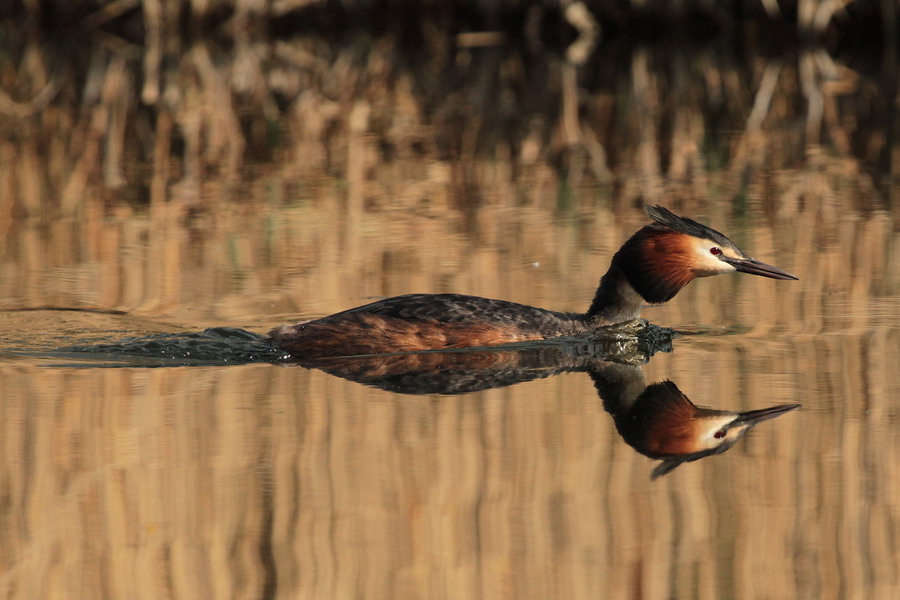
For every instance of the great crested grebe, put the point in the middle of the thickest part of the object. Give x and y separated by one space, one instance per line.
651 267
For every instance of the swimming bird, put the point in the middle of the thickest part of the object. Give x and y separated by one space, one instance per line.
650 268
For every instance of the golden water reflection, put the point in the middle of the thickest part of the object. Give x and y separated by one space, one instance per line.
278 481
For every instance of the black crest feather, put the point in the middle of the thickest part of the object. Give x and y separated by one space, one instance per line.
666 218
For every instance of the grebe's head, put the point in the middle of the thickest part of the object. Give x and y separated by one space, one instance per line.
663 257
665 424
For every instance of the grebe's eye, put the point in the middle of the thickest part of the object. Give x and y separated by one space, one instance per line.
715 251
720 433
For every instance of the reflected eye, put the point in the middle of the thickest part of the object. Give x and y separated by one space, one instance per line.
715 251
720 433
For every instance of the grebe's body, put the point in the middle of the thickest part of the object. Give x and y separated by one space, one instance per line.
427 322
651 267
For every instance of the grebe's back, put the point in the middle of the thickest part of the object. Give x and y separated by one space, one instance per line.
424 322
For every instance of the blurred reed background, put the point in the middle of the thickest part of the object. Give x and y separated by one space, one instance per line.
251 163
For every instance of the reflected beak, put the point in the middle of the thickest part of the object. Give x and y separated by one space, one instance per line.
754 267
752 417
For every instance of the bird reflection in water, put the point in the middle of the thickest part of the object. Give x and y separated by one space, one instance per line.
660 422
657 420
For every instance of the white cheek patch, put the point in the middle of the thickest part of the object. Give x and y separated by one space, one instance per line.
708 439
707 263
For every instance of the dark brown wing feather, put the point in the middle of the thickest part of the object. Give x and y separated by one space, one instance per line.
458 308
423 322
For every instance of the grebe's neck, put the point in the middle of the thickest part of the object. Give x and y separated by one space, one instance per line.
649 268
616 300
